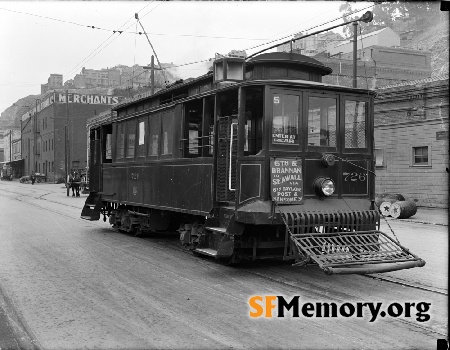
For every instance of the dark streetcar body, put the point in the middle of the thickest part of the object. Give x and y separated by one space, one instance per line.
274 165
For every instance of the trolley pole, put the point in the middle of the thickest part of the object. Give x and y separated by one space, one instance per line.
366 18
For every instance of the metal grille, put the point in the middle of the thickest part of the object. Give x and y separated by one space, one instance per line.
341 241
332 221
351 248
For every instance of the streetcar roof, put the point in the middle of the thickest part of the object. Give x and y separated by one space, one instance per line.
208 76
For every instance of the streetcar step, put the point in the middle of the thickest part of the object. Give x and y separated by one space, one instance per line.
92 207
206 251
217 229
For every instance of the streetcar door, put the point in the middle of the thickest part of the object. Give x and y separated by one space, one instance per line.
226 159
94 160
227 146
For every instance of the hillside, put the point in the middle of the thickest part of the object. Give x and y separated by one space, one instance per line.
10 117
436 40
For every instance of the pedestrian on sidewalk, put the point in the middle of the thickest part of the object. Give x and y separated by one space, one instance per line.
70 184
32 177
77 183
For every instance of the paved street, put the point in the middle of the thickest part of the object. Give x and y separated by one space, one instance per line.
66 283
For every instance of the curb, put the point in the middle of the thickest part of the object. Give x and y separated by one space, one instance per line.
418 222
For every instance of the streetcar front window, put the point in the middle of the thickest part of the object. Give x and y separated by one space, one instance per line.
322 121
285 119
355 124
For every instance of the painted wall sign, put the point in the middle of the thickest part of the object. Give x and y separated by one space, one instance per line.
72 98
286 180
442 135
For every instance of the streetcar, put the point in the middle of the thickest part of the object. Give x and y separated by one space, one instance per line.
257 159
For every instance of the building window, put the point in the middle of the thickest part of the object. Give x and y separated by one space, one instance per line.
379 157
420 156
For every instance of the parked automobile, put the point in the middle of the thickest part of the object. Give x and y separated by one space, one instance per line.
39 178
24 179
6 173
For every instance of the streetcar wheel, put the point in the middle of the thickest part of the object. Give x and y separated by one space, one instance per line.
138 232
232 260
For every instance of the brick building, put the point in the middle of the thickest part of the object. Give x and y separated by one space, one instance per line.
311 45
378 66
2 148
383 37
412 141
120 76
55 81
12 151
57 117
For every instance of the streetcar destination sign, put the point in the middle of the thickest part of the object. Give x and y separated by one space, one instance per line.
286 180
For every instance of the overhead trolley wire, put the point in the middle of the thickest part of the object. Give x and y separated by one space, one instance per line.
133 32
120 32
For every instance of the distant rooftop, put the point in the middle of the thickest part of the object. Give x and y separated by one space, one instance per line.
415 82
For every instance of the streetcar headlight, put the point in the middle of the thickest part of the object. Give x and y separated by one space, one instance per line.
324 186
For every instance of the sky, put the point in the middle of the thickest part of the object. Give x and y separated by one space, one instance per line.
39 38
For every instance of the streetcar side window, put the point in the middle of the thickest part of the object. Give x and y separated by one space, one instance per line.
106 132
322 124
193 129
131 138
155 131
167 133
285 119
141 136
108 148
120 141
355 124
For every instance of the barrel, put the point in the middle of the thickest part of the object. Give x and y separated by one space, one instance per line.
403 209
386 206
387 197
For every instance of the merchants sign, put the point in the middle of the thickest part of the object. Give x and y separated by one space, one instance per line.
286 181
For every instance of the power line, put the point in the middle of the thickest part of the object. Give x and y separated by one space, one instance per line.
99 50
133 32
319 25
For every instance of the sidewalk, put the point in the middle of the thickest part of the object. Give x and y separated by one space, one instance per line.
432 216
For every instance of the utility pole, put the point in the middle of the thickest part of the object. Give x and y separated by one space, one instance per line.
10 146
66 140
157 60
355 48
152 75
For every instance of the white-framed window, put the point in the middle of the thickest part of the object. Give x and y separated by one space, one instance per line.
421 156
379 158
